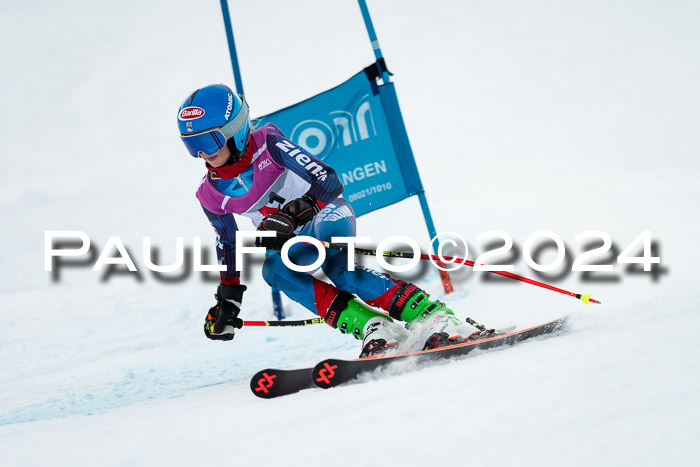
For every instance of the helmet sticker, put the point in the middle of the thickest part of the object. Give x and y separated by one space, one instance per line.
189 127
190 113
229 107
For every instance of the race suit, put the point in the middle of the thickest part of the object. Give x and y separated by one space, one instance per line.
279 166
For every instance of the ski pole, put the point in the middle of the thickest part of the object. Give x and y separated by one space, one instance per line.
302 322
308 322
400 254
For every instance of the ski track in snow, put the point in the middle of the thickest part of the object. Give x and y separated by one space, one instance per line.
547 115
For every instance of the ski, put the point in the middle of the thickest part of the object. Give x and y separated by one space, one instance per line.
272 383
334 372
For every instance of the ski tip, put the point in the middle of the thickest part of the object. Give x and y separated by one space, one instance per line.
325 374
263 384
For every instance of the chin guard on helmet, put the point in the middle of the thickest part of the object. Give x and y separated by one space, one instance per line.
236 154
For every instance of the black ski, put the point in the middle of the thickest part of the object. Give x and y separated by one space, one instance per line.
271 382
333 372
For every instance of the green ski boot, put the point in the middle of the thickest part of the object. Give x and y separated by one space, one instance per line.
377 331
430 320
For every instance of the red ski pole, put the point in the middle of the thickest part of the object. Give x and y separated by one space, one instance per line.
302 322
399 254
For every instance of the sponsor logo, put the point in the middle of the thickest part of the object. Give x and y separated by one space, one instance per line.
331 216
265 383
277 221
331 317
336 130
190 113
372 328
264 163
312 167
371 271
189 127
229 106
404 296
327 372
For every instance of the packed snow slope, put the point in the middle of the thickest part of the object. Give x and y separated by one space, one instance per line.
559 115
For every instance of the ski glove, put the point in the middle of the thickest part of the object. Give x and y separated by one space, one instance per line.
303 209
222 318
293 214
280 223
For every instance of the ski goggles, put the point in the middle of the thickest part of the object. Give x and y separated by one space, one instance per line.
210 141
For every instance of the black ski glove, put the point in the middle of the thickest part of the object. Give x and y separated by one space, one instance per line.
293 214
303 209
280 223
222 318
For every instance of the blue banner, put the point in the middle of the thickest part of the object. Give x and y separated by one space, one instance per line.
347 127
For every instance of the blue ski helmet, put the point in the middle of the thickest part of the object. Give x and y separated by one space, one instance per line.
212 117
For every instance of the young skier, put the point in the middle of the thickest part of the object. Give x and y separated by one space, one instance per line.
245 167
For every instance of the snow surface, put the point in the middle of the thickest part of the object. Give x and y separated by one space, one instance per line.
558 115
